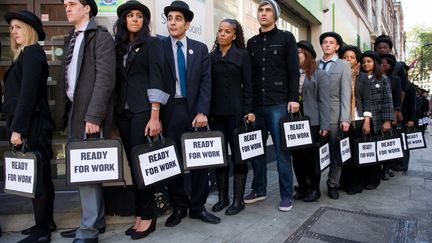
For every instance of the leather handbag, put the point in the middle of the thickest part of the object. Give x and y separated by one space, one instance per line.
248 143
22 171
155 162
203 149
94 160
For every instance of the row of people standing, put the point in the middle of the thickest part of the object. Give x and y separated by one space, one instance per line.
176 81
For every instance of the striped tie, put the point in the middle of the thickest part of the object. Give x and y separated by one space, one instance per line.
70 51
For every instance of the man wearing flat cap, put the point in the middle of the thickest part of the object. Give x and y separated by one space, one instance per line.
84 101
340 102
189 86
275 74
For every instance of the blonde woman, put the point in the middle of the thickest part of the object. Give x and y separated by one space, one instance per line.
27 112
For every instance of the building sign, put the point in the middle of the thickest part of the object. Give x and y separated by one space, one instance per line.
108 7
196 30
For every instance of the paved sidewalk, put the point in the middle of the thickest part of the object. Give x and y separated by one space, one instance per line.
399 210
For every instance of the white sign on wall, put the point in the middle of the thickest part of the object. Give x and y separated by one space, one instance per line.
196 30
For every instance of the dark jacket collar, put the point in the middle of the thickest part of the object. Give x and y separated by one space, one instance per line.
271 32
233 56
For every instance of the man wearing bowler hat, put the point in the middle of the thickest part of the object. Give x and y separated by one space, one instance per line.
189 86
84 101
340 102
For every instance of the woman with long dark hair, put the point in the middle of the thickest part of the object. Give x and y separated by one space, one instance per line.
27 111
231 103
381 106
140 92
314 89
351 177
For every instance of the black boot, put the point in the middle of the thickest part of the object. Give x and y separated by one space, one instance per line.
222 182
239 189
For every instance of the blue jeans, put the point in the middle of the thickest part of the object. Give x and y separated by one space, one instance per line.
267 119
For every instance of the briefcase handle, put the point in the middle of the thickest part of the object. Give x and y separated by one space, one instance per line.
384 133
196 128
101 135
246 124
298 113
24 147
150 141
365 137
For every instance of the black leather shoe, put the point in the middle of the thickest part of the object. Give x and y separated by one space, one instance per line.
312 196
71 233
301 194
370 187
37 236
391 173
332 192
130 231
141 234
205 216
92 240
31 230
176 217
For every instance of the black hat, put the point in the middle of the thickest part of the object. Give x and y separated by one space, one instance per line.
307 46
331 34
181 7
372 55
30 19
93 7
383 38
133 5
355 49
391 59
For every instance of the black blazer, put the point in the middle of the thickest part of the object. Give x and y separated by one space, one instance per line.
143 71
232 90
362 93
198 78
409 104
396 91
25 97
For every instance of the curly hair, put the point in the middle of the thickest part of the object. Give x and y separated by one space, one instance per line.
239 41
121 34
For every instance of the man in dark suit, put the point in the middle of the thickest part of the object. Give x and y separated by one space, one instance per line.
189 86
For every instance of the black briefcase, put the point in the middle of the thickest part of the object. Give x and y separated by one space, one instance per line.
155 162
22 169
94 160
296 132
248 143
343 147
203 149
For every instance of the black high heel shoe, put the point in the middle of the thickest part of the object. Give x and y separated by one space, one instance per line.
141 234
130 231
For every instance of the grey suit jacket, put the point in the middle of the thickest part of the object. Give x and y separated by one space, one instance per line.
340 91
316 99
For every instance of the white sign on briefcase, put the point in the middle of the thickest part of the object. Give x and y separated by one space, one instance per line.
159 165
345 149
96 164
324 156
415 140
20 175
367 153
251 144
389 149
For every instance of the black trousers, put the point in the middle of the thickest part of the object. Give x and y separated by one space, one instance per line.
352 175
227 124
131 127
306 165
179 123
40 141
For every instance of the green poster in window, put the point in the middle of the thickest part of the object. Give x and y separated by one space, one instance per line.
109 6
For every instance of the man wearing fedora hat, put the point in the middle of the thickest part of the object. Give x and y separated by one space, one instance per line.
189 86
340 102
84 101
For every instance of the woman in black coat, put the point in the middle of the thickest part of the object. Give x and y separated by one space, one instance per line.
27 111
140 92
231 103
351 177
